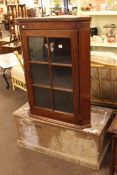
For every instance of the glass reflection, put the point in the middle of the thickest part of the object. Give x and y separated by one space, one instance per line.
60 49
38 49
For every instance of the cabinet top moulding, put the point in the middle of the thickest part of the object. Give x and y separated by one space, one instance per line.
55 18
99 13
60 22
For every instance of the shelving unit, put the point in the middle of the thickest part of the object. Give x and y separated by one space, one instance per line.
100 19
99 13
96 44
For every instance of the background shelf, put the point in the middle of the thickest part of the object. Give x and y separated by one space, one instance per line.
103 44
99 13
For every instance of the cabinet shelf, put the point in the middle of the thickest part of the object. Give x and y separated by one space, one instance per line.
54 88
53 64
63 89
62 59
114 45
62 64
39 62
60 77
99 13
41 85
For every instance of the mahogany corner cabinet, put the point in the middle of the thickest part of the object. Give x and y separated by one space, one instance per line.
56 53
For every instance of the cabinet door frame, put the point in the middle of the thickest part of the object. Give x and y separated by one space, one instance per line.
57 115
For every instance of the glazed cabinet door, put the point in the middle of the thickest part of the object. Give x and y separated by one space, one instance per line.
51 68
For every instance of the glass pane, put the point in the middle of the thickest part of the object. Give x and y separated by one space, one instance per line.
62 77
40 74
60 49
63 101
42 97
38 49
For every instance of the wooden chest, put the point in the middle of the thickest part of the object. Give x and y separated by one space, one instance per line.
83 146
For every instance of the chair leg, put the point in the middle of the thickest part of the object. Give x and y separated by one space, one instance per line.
13 86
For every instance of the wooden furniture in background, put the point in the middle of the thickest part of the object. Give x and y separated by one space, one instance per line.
0 30
15 11
104 78
31 12
17 74
113 130
10 47
56 54
22 10
7 61
0 33
12 14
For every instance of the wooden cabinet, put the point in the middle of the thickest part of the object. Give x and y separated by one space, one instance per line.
56 54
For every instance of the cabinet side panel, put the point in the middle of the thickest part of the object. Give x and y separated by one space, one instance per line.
75 76
84 72
26 56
